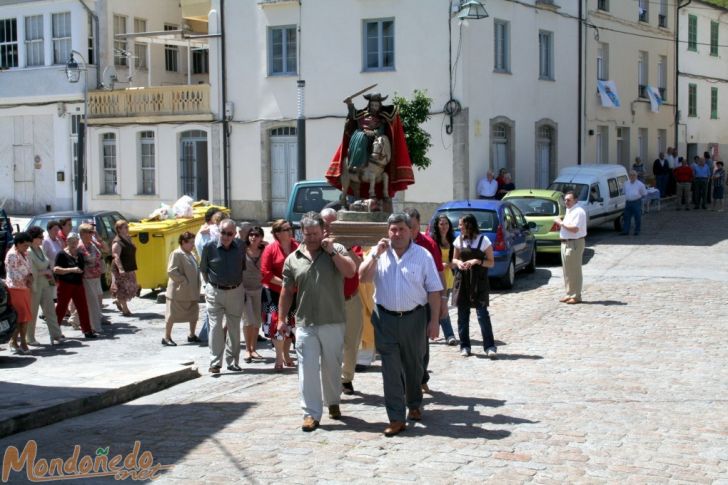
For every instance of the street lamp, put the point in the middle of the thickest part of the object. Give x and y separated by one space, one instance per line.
73 74
472 10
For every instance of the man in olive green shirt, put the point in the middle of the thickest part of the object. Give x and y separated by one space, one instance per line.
316 272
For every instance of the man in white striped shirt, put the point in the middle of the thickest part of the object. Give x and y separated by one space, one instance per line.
405 280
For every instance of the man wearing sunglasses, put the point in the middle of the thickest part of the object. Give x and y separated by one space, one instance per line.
221 266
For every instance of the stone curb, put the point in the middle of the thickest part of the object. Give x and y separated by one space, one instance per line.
89 404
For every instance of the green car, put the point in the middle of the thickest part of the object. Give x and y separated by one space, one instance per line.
542 207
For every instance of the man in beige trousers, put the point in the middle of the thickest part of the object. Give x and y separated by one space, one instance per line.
573 234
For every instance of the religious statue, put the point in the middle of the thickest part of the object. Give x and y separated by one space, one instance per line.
372 160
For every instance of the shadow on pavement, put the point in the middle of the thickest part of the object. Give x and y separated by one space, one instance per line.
511 357
14 362
171 421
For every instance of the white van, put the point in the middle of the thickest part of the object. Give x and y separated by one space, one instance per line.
599 189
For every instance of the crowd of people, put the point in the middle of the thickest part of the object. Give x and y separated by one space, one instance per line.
700 183
307 294
59 272
492 187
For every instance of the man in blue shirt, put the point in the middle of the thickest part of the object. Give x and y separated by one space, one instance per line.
701 172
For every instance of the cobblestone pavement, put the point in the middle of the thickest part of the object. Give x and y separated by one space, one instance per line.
629 387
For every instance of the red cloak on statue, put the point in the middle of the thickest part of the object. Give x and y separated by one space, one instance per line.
399 168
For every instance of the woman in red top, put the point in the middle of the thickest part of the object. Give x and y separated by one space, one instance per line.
271 269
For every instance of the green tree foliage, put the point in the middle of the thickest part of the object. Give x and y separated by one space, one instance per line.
413 113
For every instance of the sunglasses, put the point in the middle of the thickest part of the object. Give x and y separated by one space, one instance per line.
227 233
253 234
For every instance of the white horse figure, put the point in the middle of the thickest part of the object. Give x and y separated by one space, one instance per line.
373 172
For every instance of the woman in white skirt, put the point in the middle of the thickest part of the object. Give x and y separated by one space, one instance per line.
183 289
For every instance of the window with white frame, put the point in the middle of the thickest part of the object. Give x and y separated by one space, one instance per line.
692 100
282 50
171 53
379 45
602 144
662 17
147 166
502 46
91 56
643 10
61 32
8 43
603 5
546 55
119 44
642 142
662 77
34 41
108 163
642 74
714 26
140 48
603 61
713 103
200 61
692 33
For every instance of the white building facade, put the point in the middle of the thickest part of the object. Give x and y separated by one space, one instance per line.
514 77
132 132
630 43
703 80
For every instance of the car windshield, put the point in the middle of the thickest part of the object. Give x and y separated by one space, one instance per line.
487 219
314 198
581 190
42 222
535 206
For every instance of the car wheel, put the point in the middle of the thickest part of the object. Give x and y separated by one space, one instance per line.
618 222
532 264
510 277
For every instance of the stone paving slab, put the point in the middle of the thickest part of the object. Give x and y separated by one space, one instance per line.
629 387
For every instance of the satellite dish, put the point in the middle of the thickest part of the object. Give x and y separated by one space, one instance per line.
109 78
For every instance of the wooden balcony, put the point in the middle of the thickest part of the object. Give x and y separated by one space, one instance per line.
150 105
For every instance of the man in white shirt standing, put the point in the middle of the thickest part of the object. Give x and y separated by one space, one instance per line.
572 233
405 280
634 191
487 187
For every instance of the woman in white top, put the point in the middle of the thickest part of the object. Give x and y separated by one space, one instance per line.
473 255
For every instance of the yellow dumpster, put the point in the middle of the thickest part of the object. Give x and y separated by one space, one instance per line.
155 241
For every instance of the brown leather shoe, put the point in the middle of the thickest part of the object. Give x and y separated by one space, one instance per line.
394 428
309 424
334 411
573 301
425 388
214 370
415 414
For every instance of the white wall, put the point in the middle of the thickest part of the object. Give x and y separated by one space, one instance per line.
705 71
331 64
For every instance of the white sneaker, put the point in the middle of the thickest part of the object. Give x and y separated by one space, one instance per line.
452 341
491 352
465 352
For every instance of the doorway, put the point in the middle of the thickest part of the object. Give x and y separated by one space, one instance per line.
284 168
193 164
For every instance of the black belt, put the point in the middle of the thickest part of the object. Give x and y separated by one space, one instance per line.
223 287
399 314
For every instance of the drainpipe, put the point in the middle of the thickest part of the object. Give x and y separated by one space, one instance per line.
96 42
225 121
677 73
579 96
301 117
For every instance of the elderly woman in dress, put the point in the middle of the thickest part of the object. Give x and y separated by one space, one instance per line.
123 269
19 280
92 271
252 282
43 289
68 269
271 268
183 289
